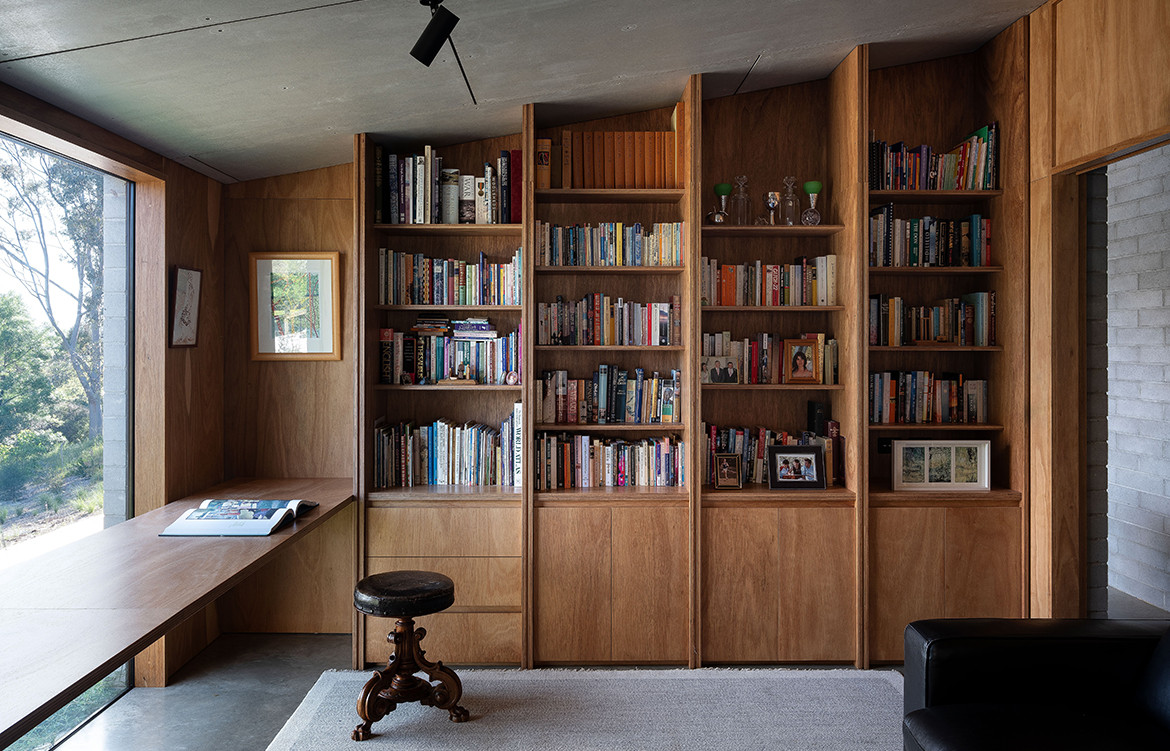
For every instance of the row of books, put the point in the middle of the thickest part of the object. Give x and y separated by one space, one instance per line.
613 159
415 279
445 453
611 396
971 165
808 281
923 397
598 319
927 241
751 443
565 460
966 321
768 358
418 189
419 357
610 244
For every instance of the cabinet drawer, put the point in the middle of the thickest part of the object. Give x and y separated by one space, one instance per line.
454 638
455 532
479 582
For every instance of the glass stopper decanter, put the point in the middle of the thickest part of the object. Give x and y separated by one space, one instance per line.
811 216
719 215
741 203
789 203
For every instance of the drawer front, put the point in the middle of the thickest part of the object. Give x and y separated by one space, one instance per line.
454 638
456 532
479 582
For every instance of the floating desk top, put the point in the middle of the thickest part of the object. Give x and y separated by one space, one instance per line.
72 615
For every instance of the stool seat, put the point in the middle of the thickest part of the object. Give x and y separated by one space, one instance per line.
404 594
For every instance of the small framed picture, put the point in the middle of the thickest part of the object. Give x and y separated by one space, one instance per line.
796 467
718 370
727 472
942 465
184 320
802 363
296 306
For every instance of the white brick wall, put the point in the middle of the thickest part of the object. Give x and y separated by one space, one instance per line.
1138 381
115 344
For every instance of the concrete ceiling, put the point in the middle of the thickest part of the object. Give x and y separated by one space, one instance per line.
240 89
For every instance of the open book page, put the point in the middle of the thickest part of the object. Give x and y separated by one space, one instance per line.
236 517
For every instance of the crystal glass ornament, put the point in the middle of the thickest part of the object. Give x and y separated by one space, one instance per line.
789 203
811 216
719 215
771 202
741 203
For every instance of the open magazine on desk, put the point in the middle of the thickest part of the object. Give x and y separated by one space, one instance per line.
236 517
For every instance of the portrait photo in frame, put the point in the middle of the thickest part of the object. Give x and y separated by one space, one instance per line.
728 472
185 289
941 465
295 305
796 467
801 361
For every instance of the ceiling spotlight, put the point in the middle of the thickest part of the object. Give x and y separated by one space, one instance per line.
434 35
437 32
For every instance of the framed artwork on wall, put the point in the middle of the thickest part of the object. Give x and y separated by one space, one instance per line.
295 305
184 318
942 465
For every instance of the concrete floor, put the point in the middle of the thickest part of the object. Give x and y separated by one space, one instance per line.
238 693
234 696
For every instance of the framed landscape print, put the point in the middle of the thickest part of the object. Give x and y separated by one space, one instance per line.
942 465
796 467
296 306
184 320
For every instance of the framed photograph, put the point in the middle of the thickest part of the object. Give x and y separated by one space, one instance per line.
942 465
184 319
796 467
718 370
801 362
296 306
727 472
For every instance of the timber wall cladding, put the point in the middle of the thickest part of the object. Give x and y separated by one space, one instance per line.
288 419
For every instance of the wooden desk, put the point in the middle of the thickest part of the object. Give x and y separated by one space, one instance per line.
71 616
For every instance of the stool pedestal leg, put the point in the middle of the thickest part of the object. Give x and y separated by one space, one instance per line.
397 683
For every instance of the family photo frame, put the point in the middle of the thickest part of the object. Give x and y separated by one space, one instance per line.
941 465
295 305
801 361
728 472
796 467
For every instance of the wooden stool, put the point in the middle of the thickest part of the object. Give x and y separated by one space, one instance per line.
403 595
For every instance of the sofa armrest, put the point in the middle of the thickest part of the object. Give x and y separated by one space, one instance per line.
1045 661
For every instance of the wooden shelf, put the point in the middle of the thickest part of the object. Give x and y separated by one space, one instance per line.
440 493
766 230
962 427
606 195
935 348
610 269
931 196
447 387
614 427
881 495
773 386
761 495
611 496
935 270
609 347
771 308
459 308
452 230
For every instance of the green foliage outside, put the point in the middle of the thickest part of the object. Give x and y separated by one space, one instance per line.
54 729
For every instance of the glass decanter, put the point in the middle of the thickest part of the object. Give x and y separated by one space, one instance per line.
789 203
719 215
811 216
741 203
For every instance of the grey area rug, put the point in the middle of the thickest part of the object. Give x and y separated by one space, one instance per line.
580 710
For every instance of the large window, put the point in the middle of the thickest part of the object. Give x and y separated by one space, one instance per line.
65 301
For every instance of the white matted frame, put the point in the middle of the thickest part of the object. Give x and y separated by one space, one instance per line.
295 305
942 465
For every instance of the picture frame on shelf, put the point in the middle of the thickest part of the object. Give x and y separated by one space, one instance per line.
796 467
942 465
728 472
718 370
802 361
295 305
185 291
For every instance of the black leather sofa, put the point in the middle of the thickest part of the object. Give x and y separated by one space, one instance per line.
1040 684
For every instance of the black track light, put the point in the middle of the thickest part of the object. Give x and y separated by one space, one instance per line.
435 35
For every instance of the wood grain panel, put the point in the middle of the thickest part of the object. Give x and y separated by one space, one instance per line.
454 638
982 563
306 589
740 585
572 585
1110 89
905 574
428 532
651 579
326 183
817 589
479 582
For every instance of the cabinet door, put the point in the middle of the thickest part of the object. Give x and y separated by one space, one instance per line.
740 585
905 574
571 586
818 571
983 563
650 585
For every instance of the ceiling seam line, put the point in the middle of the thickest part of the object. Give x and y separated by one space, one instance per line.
745 75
